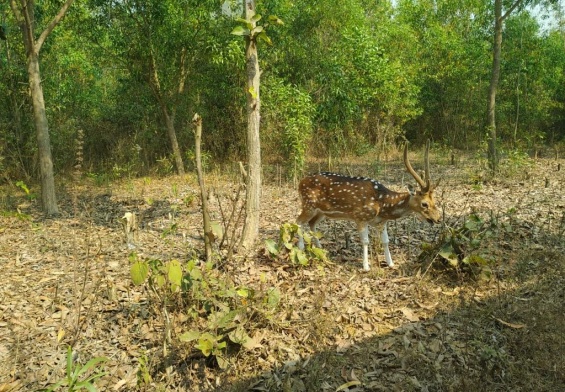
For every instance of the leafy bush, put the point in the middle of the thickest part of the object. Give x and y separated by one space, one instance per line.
462 247
288 118
286 249
220 311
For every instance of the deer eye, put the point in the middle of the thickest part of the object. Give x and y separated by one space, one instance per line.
425 205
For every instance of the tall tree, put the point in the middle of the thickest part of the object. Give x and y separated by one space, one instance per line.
499 18
24 13
253 182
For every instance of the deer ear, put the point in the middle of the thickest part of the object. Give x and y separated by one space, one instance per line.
411 189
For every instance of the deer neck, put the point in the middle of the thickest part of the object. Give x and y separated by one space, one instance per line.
395 205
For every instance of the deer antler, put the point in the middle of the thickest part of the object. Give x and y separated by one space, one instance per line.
424 185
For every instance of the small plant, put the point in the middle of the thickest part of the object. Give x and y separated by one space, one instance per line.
23 186
77 379
165 166
143 375
460 246
286 247
220 310
517 163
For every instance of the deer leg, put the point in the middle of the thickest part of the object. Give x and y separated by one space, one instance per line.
384 239
312 223
304 219
364 234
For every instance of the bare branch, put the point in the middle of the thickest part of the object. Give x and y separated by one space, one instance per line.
509 10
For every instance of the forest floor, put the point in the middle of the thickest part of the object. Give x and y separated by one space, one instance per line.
495 322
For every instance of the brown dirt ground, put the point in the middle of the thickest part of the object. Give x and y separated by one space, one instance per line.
420 326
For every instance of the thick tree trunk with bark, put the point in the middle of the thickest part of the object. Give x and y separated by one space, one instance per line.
253 195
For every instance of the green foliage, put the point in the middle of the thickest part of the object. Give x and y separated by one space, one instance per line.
257 33
221 311
22 185
77 377
359 74
285 248
516 163
461 247
143 376
288 114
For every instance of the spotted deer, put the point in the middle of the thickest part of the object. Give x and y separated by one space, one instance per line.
366 202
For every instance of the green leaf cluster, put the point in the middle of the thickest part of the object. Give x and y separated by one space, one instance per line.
220 312
286 248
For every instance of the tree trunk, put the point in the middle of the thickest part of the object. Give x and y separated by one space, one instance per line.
170 124
495 75
24 14
253 195
48 196
197 122
154 82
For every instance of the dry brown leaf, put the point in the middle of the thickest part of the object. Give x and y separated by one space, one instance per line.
347 385
511 325
409 314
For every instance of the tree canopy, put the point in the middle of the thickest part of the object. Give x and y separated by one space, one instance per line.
338 77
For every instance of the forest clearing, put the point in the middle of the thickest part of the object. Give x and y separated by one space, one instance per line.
152 154
423 325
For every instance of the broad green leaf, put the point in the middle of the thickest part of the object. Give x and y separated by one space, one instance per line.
206 343
256 18
227 319
256 30
240 30
448 254
238 336
273 297
159 280
189 336
301 257
138 272
174 274
275 19
262 36
243 292
217 229
319 253
196 273
271 247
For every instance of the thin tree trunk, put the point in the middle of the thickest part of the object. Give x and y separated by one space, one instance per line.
154 82
197 122
170 124
253 194
495 75
48 196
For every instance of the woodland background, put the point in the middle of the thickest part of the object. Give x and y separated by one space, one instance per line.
340 77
